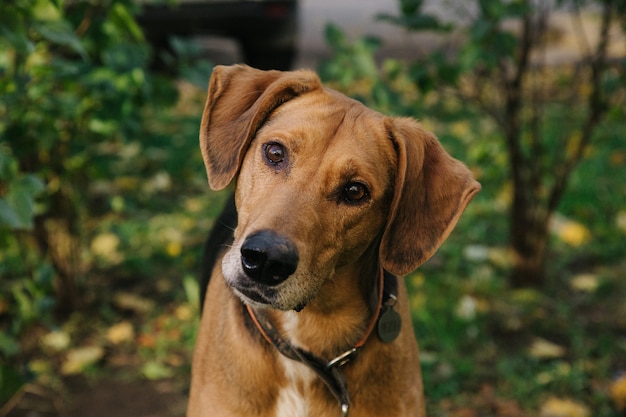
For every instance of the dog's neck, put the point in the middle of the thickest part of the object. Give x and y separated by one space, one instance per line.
338 317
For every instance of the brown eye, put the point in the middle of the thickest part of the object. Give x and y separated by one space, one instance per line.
355 192
275 153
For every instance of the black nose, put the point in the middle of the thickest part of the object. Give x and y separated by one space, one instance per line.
268 258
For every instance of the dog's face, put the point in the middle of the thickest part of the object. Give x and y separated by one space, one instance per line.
321 180
312 195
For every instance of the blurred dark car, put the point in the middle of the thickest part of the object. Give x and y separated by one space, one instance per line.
266 30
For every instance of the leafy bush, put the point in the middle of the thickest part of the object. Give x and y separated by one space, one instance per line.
88 140
74 92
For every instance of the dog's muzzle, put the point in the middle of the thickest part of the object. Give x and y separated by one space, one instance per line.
268 258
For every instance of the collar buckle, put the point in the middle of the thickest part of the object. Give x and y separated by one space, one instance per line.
342 359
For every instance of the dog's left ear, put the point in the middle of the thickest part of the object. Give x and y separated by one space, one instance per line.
431 191
239 101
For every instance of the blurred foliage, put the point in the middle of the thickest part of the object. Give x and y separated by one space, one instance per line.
91 141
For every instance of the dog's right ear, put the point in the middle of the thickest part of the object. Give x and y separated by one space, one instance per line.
431 191
240 99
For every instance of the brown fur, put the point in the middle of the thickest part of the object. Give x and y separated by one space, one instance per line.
416 194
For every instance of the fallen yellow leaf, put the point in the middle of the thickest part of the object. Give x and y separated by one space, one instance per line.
585 282
80 358
461 129
575 234
40 366
174 249
502 257
130 301
544 349
618 393
569 231
105 245
193 205
127 183
184 312
558 407
57 340
120 333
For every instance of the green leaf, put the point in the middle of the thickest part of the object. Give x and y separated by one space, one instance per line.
29 184
13 30
9 346
517 8
8 164
447 72
124 18
409 7
334 36
155 370
198 74
492 9
125 56
21 198
45 10
192 290
10 383
469 56
61 33
415 23
8 216
481 29
507 43
25 306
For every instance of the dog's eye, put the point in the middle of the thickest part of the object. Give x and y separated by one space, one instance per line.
275 153
355 192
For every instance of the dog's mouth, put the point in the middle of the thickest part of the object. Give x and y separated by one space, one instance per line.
262 296
254 294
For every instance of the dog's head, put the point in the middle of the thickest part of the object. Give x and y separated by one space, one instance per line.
322 180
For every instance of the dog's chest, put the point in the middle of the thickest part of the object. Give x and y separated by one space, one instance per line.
293 398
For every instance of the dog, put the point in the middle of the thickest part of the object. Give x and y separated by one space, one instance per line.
303 313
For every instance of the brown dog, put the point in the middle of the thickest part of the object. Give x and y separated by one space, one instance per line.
302 316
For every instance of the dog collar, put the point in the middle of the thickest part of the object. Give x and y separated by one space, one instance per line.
385 319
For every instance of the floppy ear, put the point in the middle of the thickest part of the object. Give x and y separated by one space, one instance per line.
240 99
431 191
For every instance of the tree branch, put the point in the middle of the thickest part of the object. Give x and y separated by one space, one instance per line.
514 89
596 103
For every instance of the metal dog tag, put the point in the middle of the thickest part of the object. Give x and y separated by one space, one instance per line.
389 325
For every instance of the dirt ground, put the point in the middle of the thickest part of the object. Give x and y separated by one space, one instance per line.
106 397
